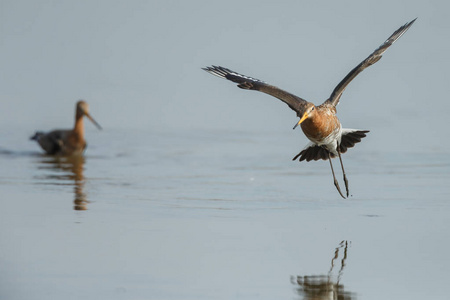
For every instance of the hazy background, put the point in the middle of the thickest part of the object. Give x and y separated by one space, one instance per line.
138 64
189 192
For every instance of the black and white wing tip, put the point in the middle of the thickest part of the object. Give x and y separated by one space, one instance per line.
218 71
229 74
397 34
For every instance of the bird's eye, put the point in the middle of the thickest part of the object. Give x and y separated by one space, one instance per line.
312 108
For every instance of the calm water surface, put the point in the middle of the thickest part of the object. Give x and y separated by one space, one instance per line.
219 215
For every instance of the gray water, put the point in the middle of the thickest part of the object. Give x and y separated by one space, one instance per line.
219 215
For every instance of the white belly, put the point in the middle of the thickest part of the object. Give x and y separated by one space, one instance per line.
331 141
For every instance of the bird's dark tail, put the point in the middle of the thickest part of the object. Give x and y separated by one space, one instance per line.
315 152
350 137
36 136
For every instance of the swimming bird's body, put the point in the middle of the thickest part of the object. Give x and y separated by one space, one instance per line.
70 141
319 123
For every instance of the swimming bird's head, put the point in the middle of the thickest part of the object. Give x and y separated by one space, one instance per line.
309 112
83 110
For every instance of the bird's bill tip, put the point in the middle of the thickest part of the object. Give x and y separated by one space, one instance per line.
303 118
93 121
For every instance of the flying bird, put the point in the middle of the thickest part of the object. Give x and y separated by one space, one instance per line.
70 141
319 123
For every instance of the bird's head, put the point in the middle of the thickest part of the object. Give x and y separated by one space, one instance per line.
83 110
308 112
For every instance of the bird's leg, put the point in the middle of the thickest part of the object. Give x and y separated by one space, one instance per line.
343 171
336 184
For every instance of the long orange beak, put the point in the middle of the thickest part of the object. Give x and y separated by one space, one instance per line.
304 117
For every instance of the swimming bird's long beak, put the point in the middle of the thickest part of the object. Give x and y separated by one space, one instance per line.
93 121
305 116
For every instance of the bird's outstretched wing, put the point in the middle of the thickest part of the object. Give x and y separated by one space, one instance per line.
370 60
244 82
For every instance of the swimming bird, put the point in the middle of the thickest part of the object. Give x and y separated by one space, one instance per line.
70 141
319 123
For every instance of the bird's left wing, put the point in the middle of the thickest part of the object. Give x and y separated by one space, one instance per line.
370 60
244 82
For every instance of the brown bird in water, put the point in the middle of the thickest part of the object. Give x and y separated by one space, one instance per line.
70 141
319 123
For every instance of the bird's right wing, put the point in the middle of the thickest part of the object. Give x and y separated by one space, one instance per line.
244 82
370 60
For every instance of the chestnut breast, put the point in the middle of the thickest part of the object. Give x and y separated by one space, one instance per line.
322 124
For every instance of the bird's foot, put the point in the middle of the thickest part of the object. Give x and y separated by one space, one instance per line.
346 184
336 184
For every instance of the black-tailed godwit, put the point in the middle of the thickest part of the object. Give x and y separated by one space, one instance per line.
70 141
319 123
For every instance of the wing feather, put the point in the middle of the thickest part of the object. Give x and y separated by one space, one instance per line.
370 60
248 83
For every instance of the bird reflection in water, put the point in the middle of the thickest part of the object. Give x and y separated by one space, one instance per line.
325 287
67 170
